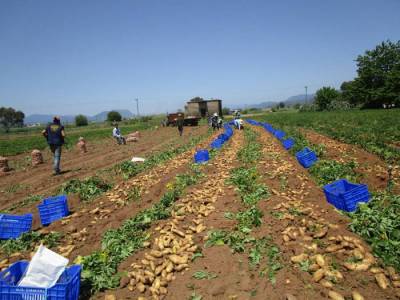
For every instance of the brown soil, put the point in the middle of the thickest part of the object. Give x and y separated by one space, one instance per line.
235 279
86 225
39 180
297 200
372 169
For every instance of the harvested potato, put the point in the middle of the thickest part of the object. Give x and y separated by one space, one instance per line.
333 248
321 233
141 287
335 296
357 296
299 258
313 267
375 270
178 260
326 283
318 275
319 259
382 280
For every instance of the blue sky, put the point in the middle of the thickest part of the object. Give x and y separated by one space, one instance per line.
68 57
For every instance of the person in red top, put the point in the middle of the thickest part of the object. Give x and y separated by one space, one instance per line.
55 134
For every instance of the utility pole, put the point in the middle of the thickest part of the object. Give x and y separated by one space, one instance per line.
137 107
306 93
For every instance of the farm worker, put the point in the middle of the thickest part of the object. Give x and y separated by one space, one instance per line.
179 122
55 134
214 121
238 123
117 135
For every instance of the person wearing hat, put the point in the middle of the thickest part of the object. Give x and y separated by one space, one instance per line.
55 134
214 121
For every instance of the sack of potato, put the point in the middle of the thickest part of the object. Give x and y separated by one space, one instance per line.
37 157
4 165
131 139
82 145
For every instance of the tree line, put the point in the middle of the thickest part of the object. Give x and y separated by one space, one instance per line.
377 84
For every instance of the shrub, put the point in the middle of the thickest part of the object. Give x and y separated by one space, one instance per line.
114 116
81 120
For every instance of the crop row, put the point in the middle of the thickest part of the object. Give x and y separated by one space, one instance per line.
377 221
377 131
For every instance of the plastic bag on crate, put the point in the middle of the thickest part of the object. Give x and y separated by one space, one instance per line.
44 270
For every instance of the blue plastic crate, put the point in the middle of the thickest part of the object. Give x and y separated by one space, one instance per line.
345 195
216 144
306 157
279 134
11 227
288 143
201 156
223 137
67 287
52 209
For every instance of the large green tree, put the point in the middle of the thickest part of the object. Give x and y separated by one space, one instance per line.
378 77
325 96
9 117
81 120
114 116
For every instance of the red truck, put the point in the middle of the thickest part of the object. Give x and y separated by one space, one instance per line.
187 121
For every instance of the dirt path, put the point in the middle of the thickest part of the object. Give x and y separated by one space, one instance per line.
374 171
187 226
84 228
36 180
319 257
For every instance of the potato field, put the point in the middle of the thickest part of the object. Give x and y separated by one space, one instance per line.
250 223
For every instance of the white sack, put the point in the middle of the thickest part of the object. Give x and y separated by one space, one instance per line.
137 159
44 270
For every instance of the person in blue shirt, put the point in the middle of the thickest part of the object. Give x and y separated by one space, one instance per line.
55 135
117 135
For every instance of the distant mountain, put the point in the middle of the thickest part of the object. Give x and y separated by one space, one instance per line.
44 119
100 117
298 99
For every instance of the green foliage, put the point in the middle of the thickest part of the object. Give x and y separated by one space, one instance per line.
325 96
378 223
378 77
204 275
87 189
100 267
249 218
328 171
24 141
246 182
9 117
81 120
114 116
28 200
373 130
28 241
225 111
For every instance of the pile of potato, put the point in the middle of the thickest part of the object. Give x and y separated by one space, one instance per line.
172 250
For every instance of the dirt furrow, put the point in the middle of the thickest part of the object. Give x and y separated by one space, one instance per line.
176 240
38 180
373 170
84 228
320 252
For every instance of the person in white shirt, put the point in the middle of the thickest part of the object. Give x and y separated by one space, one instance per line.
117 135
